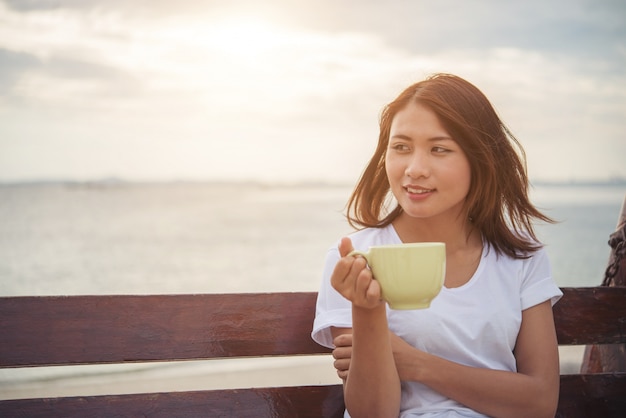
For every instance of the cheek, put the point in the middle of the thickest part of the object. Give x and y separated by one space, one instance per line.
463 167
390 168
464 177
458 175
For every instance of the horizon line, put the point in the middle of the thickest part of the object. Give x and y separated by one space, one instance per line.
114 180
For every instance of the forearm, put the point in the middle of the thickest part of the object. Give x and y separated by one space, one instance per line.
492 392
373 385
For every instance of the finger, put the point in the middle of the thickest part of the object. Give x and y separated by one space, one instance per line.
342 353
343 340
362 283
345 246
359 264
345 273
341 272
374 292
342 365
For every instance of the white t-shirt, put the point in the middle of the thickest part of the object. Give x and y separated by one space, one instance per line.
476 324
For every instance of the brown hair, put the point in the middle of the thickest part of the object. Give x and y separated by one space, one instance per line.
497 202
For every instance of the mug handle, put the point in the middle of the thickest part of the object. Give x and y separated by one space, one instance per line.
363 254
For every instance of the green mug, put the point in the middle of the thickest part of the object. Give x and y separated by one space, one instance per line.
410 275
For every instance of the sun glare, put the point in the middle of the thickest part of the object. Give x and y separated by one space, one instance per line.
239 37
245 36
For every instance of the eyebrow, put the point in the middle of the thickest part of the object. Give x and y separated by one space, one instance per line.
433 139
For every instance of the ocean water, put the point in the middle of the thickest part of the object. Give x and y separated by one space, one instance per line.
127 238
138 238
578 243
165 238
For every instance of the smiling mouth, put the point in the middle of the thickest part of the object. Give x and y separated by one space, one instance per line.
417 190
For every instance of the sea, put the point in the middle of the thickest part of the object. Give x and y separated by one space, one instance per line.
118 237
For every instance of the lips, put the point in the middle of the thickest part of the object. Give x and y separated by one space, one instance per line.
418 190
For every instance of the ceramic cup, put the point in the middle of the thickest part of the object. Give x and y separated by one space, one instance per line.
410 275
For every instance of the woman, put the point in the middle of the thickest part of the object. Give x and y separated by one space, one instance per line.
487 345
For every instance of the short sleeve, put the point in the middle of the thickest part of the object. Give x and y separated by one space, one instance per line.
537 282
332 309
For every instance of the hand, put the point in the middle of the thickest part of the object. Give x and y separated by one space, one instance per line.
354 280
342 355
406 357
403 354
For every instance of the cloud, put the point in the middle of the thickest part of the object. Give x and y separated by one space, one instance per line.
281 91
29 5
12 66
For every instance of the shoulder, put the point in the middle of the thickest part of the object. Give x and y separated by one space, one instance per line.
531 276
534 263
537 264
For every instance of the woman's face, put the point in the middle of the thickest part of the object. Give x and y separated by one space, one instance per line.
428 172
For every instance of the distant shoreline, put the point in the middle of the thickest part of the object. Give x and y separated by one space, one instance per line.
106 184
616 182
112 182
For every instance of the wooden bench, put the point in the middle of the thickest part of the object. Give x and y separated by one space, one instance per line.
42 331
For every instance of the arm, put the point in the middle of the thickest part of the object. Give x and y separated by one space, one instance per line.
532 391
372 388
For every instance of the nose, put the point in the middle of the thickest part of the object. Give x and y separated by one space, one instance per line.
418 166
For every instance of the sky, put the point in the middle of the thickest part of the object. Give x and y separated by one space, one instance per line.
291 90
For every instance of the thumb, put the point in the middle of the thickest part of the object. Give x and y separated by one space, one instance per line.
345 246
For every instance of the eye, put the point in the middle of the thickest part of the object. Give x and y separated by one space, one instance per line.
400 147
440 150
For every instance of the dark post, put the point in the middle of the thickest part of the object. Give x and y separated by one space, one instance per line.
611 357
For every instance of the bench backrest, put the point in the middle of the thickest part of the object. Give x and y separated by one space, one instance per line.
41 331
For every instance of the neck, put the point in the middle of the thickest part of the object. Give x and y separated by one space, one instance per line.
457 233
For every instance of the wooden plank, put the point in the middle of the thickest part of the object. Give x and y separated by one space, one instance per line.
596 395
592 395
303 401
594 315
107 329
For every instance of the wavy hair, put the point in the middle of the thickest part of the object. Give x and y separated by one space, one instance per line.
497 202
